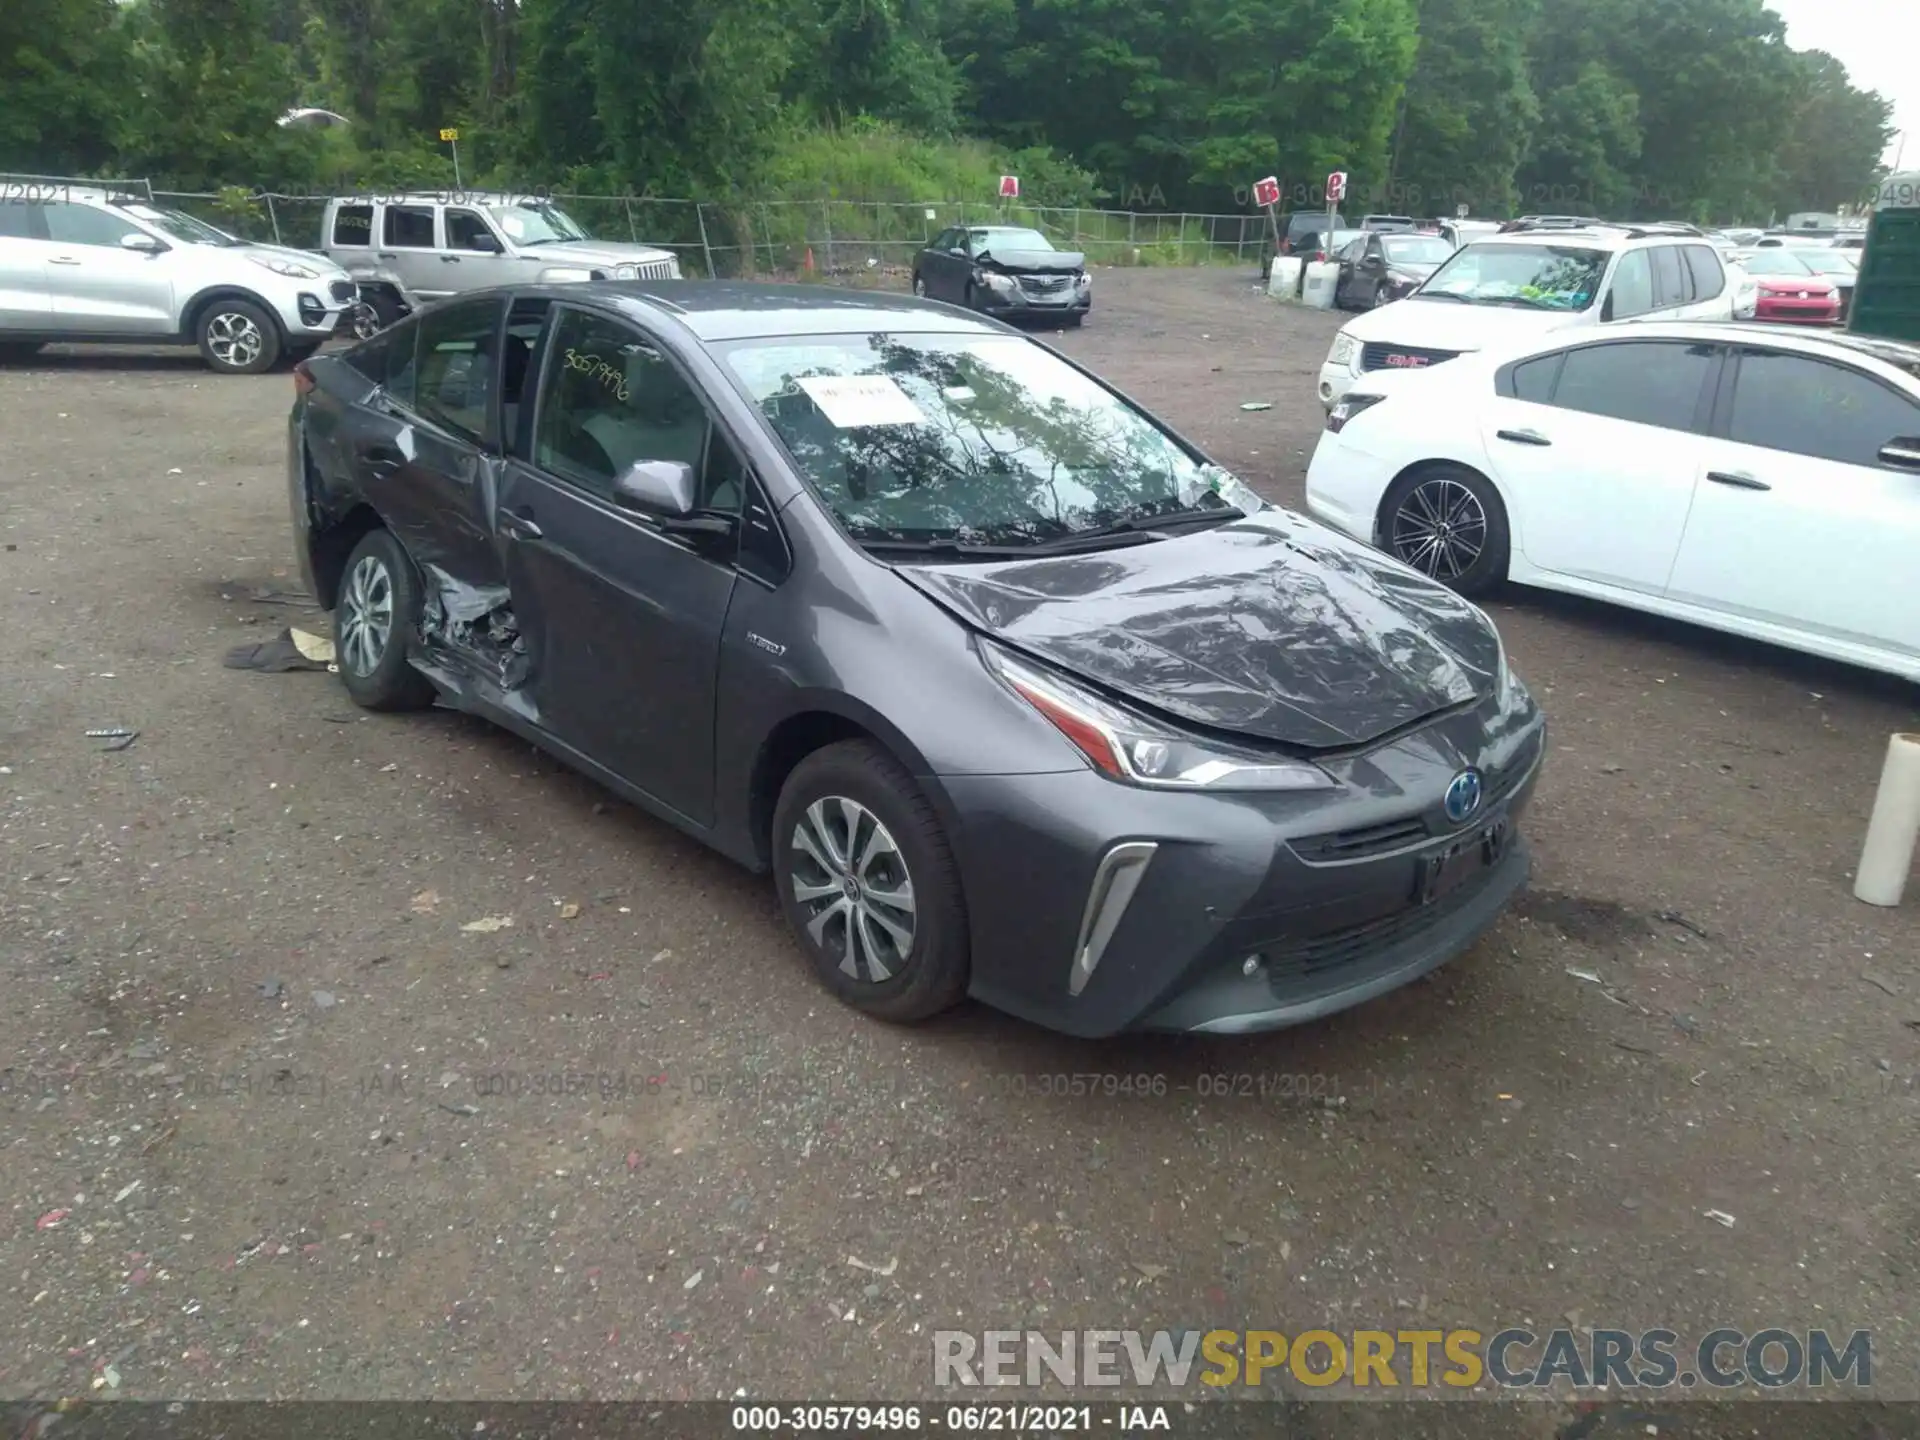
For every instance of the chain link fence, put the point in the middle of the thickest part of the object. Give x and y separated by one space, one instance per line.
851 241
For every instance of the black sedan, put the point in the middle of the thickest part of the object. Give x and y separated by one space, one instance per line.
1014 693
1386 267
1005 270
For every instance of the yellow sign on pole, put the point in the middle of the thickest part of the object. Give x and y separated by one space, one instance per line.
449 135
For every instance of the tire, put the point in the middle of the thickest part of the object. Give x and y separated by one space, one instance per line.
14 351
856 785
970 299
374 312
1453 496
237 337
379 584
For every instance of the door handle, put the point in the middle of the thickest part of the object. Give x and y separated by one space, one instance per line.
385 255
1523 437
449 259
62 260
1739 479
520 525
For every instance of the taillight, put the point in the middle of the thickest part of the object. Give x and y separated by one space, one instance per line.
302 379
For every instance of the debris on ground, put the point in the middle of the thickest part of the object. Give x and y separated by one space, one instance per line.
1256 405
272 989
693 1279
276 656
1720 1216
1878 983
51 1219
881 1270
1586 975
569 911
118 737
488 924
312 646
425 903
325 999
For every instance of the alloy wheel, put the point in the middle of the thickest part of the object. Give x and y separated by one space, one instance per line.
366 615
1440 529
234 339
850 881
366 321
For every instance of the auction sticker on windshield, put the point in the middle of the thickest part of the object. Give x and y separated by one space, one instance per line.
854 401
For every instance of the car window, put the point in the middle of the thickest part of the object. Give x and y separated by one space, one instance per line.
353 225
1709 275
982 438
1632 286
387 360
1533 379
464 227
16 219
1812 407
1648 383
459 361
609 400
1354 252
1672 284
409 227
83 225
1539 276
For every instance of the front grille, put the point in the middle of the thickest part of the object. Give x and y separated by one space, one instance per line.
1045 284
1313 959
342 291
659 270
1402 357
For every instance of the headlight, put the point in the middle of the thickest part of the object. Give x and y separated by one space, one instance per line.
626 272
1343 347
1083 280
292 269
1348 406
996 282
1134 750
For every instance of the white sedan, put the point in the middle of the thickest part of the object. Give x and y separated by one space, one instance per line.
1756 479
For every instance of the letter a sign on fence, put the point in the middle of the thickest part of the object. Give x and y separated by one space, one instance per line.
1009 187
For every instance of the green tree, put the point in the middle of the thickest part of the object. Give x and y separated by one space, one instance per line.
1470 111
64 67
1834 141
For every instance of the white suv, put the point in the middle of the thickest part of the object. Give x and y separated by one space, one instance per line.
80 264
1508 288
406 251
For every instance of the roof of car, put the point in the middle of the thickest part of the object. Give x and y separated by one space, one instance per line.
1892 352
737 310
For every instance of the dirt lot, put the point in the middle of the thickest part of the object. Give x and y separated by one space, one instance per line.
251 1147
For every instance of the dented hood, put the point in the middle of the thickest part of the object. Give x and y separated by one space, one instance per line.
1272 626
1035 262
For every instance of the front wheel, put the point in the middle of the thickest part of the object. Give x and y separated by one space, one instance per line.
869 884
378 610
1447 522
237 337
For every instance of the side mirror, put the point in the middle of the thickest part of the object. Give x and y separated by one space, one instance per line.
140 241
659 487
1902 453
485 244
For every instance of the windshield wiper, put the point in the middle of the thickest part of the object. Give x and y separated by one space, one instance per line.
957 549
1441 295
1527 300
1192 515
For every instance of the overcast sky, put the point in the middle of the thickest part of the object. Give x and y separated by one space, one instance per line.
1877 40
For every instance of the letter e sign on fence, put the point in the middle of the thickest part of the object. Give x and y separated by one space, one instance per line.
1009 187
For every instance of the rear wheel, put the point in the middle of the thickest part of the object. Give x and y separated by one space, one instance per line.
1447 522
869 884
378 610
237 337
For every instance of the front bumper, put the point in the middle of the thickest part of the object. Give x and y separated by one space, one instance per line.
311 309
1021 302
1798 312
1252 912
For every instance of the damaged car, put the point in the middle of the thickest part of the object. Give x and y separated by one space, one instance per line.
1005 270
1014 693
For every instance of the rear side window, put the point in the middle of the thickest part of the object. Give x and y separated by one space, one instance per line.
1709 275
1632 285
1810 407
16 219
458 365
1647 383
1672 285
353 225
410 226
387 360
1533 379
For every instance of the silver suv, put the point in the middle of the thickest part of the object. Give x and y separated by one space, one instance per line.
107 265
408 250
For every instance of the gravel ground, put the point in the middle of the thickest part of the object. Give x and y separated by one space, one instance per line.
277 1121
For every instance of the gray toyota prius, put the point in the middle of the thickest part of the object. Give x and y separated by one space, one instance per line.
1014 692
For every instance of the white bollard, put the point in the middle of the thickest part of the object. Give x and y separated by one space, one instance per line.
1887 857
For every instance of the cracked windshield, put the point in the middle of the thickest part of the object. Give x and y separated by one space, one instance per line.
913 438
